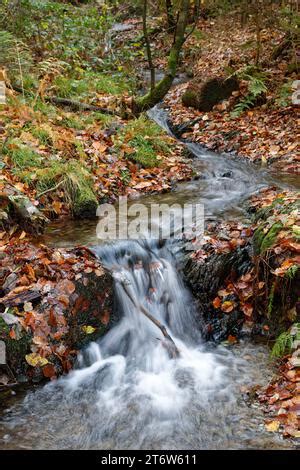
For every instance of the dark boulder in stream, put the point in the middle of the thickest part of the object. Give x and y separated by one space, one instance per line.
205 279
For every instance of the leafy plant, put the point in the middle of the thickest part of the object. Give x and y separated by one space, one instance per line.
146 140
21 155
284 343
256 88
284 95
14 55
292 271
75 35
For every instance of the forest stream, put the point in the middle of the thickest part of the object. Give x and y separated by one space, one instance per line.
127 392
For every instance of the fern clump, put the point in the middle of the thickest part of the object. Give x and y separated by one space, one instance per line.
256 90
15 57
285 341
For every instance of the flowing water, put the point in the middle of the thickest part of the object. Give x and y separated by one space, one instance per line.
128 391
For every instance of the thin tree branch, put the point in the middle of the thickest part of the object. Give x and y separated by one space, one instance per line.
75 105
195 20
172 349
148 46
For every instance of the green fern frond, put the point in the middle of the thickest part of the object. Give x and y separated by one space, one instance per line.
283 345
13 54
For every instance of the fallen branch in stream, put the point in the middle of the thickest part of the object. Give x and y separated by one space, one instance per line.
171 346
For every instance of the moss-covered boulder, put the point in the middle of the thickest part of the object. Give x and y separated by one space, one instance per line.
206 94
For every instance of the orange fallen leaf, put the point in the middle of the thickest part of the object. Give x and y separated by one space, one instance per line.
217 302
12 334
49 371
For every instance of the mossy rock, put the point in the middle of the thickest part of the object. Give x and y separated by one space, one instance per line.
85 204
206 95
190 98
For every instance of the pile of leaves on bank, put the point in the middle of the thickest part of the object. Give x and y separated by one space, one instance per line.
68 164
281 398
49 307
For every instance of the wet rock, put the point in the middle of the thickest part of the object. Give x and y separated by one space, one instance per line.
227 174
205 279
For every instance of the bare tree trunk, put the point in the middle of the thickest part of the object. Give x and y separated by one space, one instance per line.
244 12
162 87
148 47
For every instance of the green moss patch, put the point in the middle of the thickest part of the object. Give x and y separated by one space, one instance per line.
146 140
76 183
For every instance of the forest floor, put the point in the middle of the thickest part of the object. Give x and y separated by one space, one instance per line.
268 134
67 162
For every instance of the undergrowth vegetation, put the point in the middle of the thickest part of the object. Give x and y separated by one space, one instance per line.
146 142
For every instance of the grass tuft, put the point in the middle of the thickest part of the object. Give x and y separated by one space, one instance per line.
147 141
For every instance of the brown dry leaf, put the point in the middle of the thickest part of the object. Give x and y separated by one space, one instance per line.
247 309
143 184
105 317
23 235
232 339
66 287
273 426
49 371
64 299
56 205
